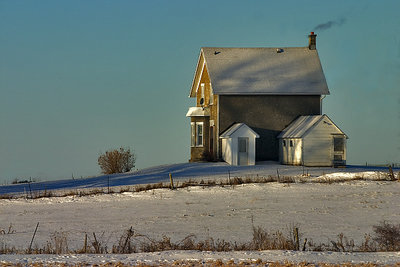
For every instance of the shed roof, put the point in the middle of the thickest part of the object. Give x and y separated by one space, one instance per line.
230 132
303 124
262 70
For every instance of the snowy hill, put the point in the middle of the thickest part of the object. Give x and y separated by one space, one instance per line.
320 210
182 172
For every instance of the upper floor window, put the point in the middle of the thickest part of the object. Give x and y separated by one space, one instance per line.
211 96
202 90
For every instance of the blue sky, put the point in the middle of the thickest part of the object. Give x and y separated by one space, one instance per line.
80 77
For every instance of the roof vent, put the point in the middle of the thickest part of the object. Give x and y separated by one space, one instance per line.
279 50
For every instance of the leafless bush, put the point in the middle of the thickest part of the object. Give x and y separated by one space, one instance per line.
263 240
368 245
387 236
117 161
58 244
343 244
99 247
124 245
9 231
4 249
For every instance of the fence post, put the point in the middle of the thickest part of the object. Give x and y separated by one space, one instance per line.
85 245
296 237
34 233
172 181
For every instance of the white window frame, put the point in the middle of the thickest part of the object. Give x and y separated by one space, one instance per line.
196 140
192 134
199 141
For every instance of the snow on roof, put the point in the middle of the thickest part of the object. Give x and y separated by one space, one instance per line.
234 128
299 127
198 112
292 70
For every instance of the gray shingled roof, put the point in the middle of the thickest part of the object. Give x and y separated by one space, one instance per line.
299 127
295 70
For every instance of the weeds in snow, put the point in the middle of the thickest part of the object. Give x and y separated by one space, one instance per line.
386 237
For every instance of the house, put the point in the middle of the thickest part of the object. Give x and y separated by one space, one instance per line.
239 145
264 88
312 141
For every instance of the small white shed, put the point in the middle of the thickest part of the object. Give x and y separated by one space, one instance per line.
239 145
312 141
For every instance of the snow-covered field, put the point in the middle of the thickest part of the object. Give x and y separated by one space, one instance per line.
320 210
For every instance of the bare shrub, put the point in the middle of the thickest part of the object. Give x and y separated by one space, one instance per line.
262 240
98 246
9 231
125 245
343 244
387 236
117 161
58 244
368 245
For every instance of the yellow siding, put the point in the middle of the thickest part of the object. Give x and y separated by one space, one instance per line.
205 79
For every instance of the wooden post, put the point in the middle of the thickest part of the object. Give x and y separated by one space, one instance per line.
30 189
172 181
34 233
277 172
108 183
85 245
304 245
296 237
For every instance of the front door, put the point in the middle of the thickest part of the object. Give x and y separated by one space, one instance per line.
243 151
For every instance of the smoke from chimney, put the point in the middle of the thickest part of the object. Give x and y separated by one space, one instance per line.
329 24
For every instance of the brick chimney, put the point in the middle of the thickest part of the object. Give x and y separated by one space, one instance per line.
312 41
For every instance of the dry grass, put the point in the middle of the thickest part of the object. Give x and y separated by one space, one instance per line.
386 237
198 263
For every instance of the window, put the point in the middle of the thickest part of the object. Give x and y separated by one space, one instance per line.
202 90
196 134
211 96
338 144
291 143
192 133
199 134
337 157
242 144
